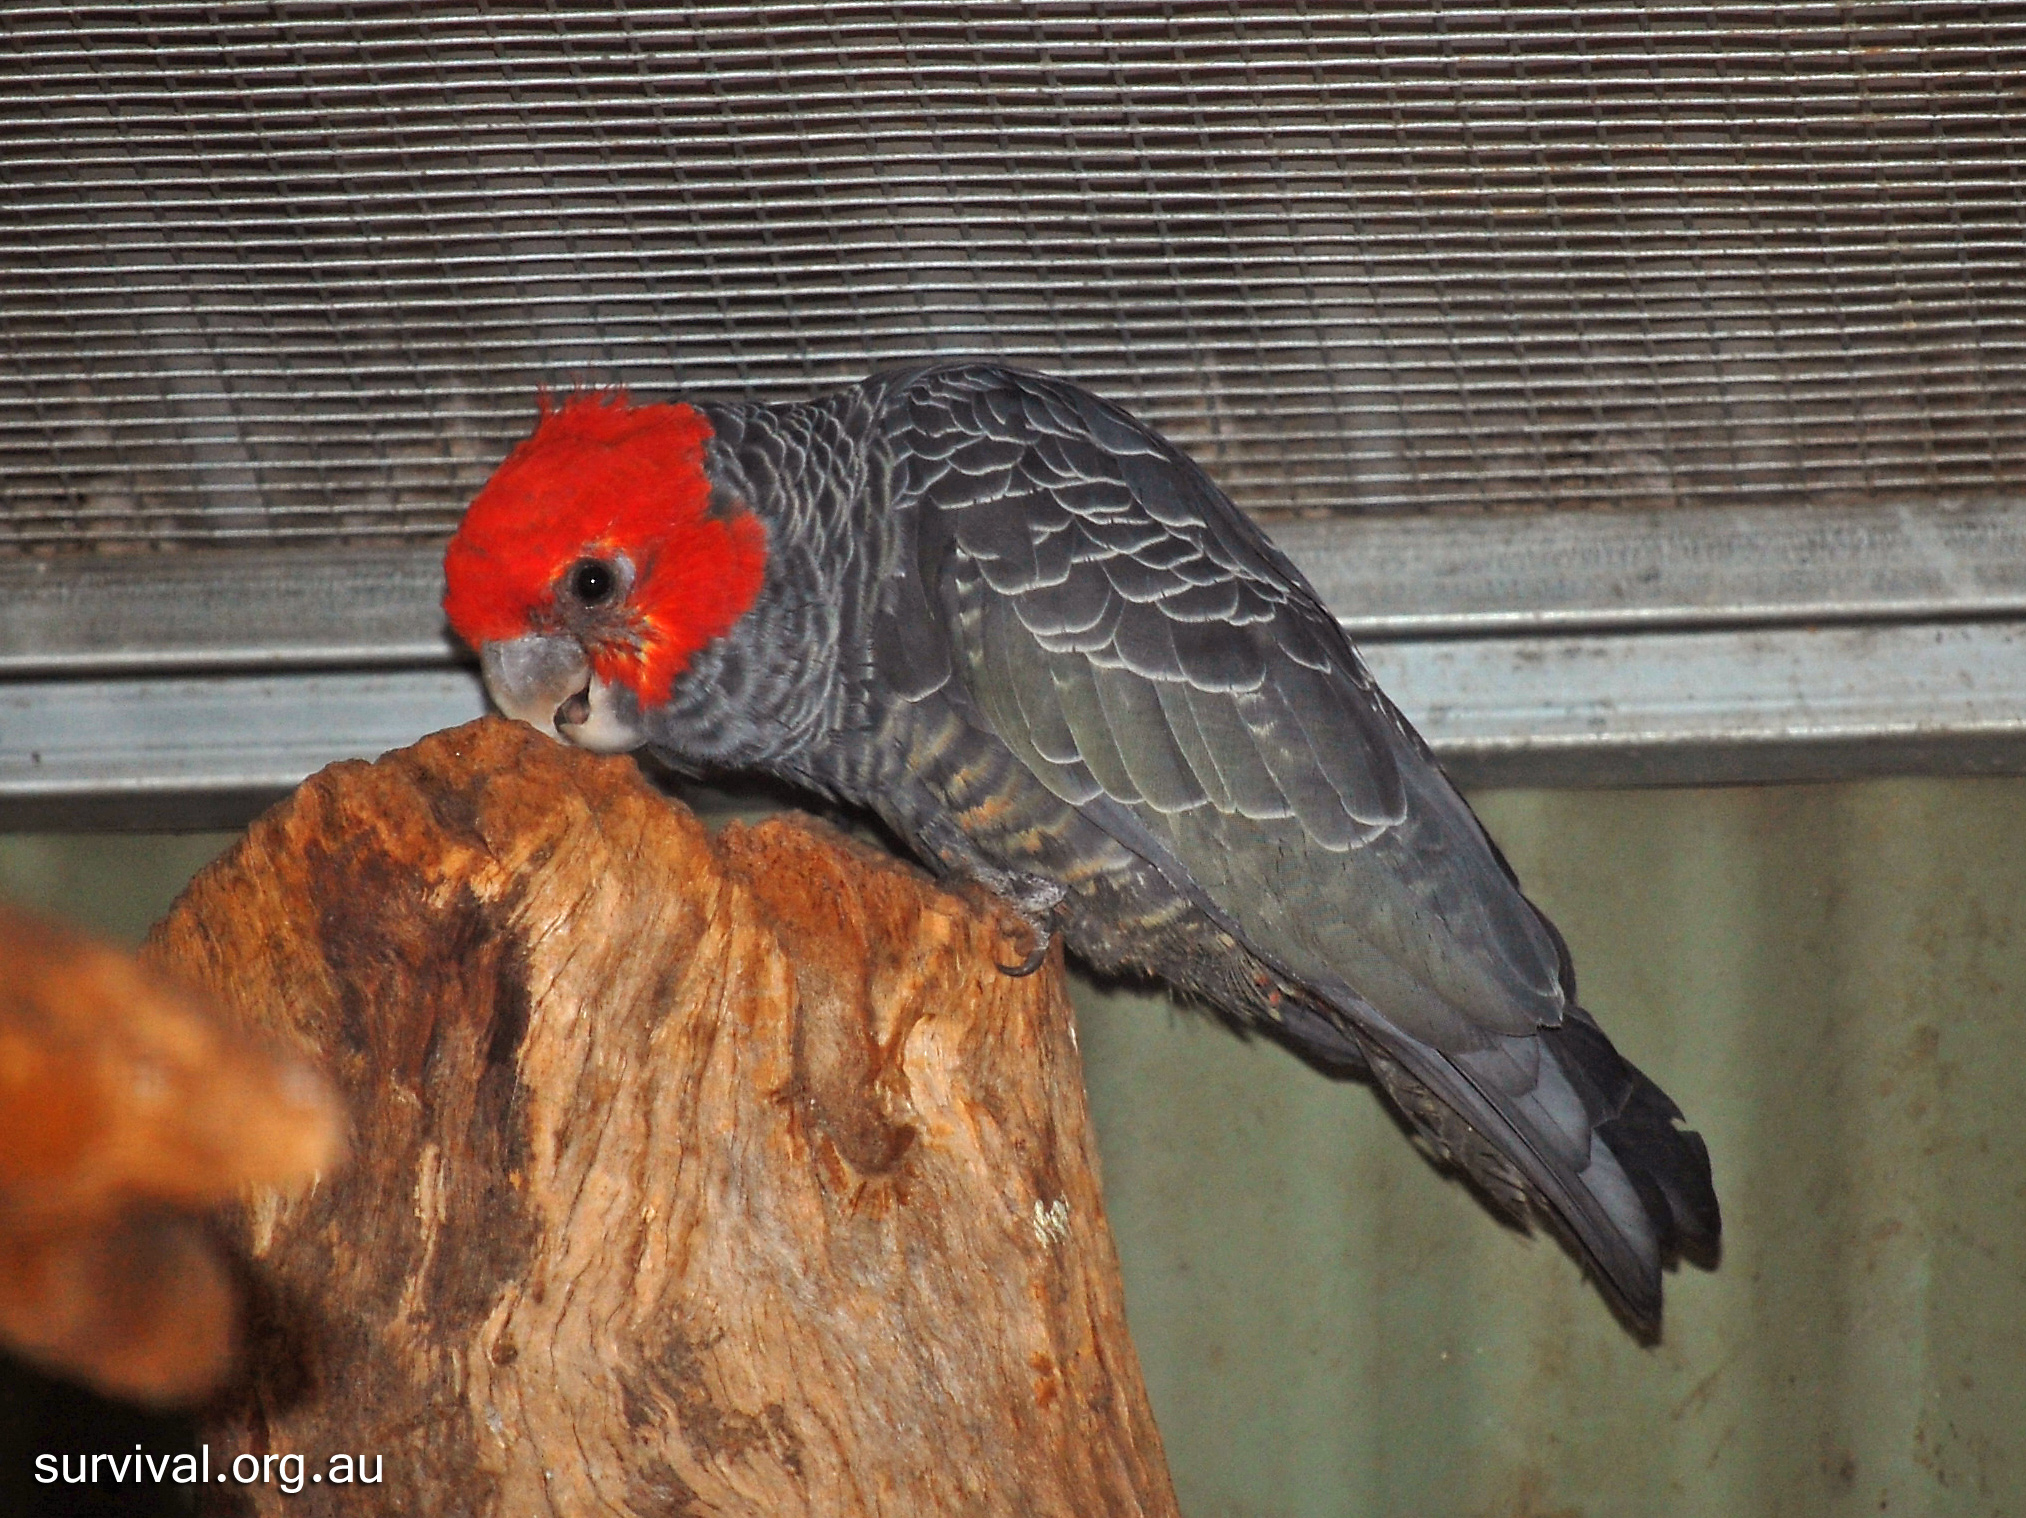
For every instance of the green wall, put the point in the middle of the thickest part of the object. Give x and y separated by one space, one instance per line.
115 884
1832 982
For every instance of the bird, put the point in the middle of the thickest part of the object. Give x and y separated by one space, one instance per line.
1035 641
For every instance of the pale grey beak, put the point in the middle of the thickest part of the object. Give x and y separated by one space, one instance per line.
546 681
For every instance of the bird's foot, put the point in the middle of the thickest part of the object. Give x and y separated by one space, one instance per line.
1031 899
1043 937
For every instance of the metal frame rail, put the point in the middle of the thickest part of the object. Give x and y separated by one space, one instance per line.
1685 646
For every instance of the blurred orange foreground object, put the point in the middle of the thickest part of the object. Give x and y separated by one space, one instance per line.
126 1104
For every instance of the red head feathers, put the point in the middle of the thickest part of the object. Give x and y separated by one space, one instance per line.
602 478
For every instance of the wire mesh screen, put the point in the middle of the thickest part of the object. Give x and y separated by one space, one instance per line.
293 271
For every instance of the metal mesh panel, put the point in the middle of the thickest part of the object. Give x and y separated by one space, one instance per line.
292 271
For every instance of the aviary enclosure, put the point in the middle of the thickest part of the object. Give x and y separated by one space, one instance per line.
1643 387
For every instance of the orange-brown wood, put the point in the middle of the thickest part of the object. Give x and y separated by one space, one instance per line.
692 1175
126 1107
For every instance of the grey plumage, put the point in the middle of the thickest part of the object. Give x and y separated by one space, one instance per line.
1043 646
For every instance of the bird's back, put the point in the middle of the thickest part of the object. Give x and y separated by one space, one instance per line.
1095 672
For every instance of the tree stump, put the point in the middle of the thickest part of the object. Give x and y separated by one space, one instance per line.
690 1175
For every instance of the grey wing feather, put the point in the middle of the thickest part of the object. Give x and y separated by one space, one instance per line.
1193 673
1149 655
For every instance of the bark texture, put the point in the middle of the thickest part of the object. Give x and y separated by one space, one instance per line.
691 1175
127 1107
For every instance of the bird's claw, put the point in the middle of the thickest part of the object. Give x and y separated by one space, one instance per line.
1032 899
1044 939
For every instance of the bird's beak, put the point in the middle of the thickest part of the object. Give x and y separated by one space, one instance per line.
547 682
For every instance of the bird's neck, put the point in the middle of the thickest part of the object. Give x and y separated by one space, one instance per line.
787 679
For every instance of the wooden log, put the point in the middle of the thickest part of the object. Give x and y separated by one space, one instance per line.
128 1107
692 1175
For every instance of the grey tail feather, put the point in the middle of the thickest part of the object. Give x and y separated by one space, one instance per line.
1667 1166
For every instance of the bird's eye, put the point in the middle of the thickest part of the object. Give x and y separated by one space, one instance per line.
593 582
